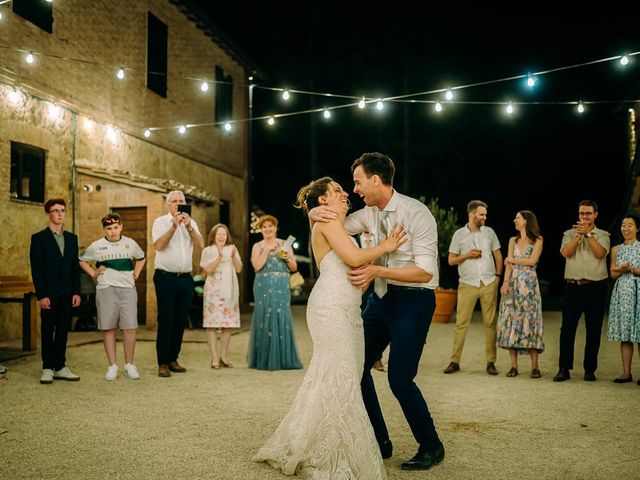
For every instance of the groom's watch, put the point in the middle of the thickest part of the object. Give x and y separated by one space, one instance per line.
588 235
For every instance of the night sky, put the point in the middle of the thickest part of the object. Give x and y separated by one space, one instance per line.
545 158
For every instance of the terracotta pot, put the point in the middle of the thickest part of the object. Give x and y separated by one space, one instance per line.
445 305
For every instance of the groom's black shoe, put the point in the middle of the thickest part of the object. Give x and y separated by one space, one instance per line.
562 375
424 460
386 449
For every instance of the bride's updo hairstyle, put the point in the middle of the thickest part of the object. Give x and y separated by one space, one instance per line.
309 194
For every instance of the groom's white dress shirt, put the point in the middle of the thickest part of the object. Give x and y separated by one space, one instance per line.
421 247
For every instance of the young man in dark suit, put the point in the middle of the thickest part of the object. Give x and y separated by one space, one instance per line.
56 276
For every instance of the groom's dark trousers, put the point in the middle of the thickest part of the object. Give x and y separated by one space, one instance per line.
402 317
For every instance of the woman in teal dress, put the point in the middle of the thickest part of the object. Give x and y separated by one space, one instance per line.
520 314
272 345
624 310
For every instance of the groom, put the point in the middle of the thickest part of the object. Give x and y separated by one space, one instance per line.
399 312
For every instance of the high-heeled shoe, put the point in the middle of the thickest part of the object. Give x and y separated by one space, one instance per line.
226 364
215 365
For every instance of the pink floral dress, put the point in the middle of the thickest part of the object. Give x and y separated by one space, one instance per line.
221 296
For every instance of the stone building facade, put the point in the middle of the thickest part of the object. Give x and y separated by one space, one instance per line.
88 126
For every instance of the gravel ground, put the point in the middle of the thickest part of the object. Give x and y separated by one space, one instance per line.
208 423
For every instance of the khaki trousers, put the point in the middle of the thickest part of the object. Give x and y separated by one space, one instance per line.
467 297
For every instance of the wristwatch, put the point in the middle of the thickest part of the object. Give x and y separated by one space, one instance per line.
588 235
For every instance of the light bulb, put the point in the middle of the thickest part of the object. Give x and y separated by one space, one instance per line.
182 129
361 103
509 108
438 107
285 95
29 58
448 95
531 82
379 104
112 134
120 74
580 107
53 111
15 96
326 113
227 127
88 124
147 133
624 60
271 121
204 86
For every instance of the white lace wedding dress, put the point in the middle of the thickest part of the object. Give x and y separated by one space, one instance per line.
327 433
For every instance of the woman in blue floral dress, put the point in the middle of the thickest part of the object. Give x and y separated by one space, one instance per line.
272 345
520 314
624 310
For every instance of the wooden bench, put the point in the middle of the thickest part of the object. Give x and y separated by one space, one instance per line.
17 284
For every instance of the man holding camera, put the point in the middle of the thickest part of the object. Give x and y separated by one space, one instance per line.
174 236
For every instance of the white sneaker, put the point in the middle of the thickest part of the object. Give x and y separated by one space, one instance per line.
131 371
47 376
112 372
3 369
65 374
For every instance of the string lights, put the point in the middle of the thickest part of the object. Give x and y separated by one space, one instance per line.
530 78
531 81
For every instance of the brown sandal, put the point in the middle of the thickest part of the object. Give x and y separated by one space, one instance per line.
513 372
535 373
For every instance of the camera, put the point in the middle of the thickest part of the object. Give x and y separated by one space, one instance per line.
184 209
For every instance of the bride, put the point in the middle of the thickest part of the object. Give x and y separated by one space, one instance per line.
327 433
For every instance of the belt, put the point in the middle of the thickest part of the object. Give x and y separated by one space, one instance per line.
277 274
173 274
582 281
391 286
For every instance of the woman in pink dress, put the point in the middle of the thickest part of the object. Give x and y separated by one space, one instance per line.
221 310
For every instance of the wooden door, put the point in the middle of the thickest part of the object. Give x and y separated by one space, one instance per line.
134 221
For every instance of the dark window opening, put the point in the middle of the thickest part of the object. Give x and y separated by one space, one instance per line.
224 96
225 212
27 172
38 12
157 48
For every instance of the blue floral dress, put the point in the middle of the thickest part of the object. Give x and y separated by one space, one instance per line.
272 345
624 310
520 314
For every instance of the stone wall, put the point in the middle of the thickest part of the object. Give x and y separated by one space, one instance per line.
108 34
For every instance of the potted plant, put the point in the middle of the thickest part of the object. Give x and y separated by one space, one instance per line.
446 293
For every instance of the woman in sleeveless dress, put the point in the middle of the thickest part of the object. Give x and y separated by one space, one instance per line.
327 433
272 345
520 314
221 298
624 310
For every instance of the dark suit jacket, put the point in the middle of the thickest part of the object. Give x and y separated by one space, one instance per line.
53 274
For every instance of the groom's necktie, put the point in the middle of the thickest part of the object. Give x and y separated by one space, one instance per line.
380 284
